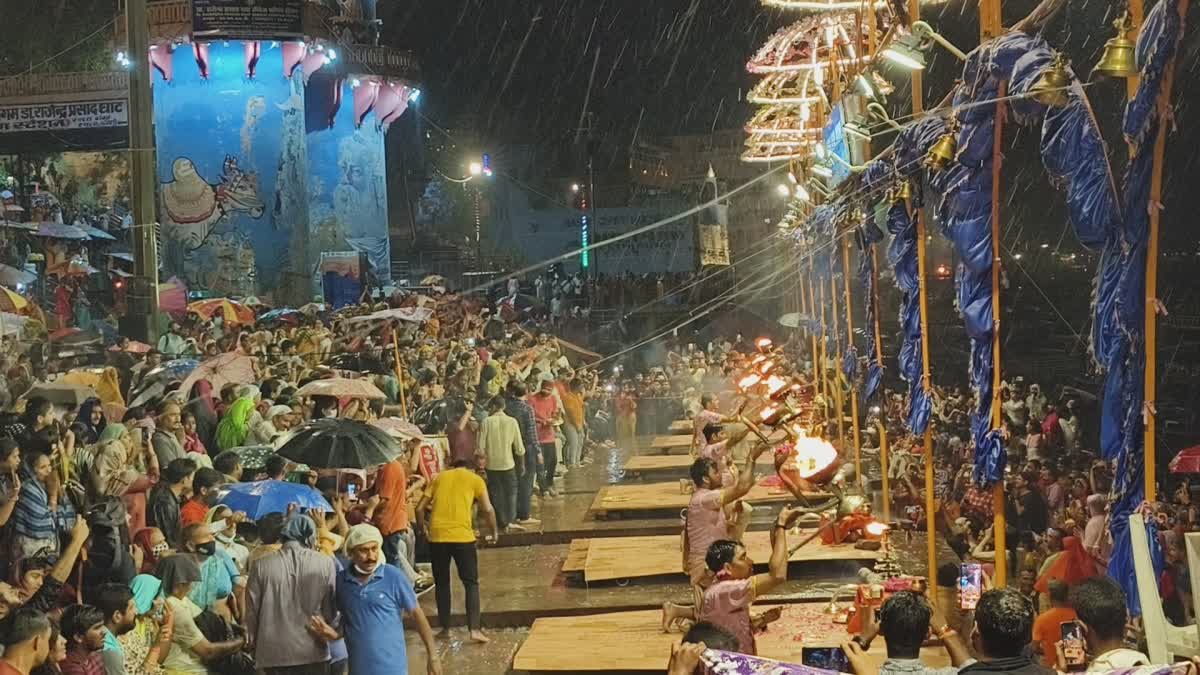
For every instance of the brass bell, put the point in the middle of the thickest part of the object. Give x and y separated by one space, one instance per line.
904 192
890 195
1052 85
942 152
1118 59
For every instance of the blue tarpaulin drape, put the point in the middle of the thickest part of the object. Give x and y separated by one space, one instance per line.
1118 332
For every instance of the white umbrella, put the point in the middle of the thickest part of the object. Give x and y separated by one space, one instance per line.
12 276
11 324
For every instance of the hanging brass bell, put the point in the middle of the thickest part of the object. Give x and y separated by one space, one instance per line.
1052 86
890 196
942 152
904 192
1118 59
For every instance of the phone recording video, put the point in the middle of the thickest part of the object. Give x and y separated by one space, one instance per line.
829 658
970 585
1073 646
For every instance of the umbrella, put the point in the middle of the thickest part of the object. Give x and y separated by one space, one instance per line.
253 301
434 280
578 353
332 443
134 347
399 428
254 456
12 225
12 276
790 320
12 324
1187 461
413 314
62 394
60 231
228 368
121 255
261 497
10 301
232 312
96 233
176 369
341 387
172 297
285 315
313 308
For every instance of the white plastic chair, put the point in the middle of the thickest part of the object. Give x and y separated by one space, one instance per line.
1164 641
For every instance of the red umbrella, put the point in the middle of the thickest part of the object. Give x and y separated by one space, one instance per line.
1187 461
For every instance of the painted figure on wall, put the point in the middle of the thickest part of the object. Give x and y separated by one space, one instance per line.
192 207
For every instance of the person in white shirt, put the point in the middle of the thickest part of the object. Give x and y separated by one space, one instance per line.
503 451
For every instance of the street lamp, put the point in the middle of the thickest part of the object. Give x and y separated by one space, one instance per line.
574 187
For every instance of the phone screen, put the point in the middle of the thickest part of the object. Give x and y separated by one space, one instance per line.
970 585
352 491
1073 645
829 658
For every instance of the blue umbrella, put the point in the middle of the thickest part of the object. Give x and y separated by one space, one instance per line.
282 315
177 369
261 497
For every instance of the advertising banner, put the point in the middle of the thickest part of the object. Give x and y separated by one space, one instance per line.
64 116
249 19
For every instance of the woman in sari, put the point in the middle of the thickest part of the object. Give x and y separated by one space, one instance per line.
145 646
203 406
125 466
235 426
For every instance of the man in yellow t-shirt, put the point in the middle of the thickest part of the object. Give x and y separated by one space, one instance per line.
446 513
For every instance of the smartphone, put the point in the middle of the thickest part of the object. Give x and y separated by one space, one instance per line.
1073 645
352 492
970 585
829 658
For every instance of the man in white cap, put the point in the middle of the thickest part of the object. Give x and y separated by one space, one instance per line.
373 599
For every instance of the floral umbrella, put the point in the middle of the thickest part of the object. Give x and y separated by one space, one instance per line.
229 368
231 311
341 387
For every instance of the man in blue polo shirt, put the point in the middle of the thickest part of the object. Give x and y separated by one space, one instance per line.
373 598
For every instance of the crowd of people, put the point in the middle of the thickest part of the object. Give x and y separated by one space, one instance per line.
122 557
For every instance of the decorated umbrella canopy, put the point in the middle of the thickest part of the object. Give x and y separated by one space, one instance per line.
284 315
229 368
11 301
12 276
96 234
412 314
341 387
1187 461
261 497
231 311
61 231
332 443
399 428
62 394
254 456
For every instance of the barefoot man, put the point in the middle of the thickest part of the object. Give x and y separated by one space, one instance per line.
704 523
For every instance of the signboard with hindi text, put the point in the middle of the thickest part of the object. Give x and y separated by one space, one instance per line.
64 116
258 19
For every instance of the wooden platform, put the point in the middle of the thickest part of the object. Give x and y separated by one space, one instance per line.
634 641
643 463
683 426
608 558
666 444
646 497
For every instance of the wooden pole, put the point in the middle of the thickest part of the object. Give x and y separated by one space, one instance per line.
883 470
1151 326
1137 14
838 399
399 374
991 25
850 340
818 367
918 97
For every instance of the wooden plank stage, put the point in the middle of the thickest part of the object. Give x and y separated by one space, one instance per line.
682 426
644 463
643 497
608 558
666 444
634 641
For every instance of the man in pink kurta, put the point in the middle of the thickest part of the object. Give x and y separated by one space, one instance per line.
705 524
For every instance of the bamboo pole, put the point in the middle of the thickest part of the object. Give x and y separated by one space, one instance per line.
850 340
1151 319
399 374
824 345
990 27
918 96
818 367
883 470
838 398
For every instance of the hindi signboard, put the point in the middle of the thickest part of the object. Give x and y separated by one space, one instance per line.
247 19
100 114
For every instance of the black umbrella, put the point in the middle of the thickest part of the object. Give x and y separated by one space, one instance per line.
339 444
